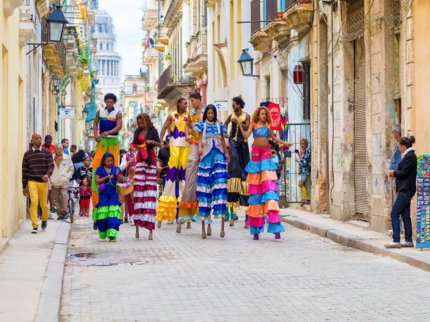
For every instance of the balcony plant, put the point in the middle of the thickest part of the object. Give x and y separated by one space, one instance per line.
168 57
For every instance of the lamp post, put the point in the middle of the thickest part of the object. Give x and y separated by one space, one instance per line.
54 86
246 64
56 22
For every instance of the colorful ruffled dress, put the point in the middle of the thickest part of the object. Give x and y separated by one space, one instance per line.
263 190
145 181
212 176
107 213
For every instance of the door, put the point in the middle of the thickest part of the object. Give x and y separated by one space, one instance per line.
360 147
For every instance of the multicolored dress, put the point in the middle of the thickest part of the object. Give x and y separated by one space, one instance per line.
263 189
107 144
107 214
145 181
212 176
179 152
188 206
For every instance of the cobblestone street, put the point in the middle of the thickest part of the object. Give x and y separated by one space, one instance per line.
180 277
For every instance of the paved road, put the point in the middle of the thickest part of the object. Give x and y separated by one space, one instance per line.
180 277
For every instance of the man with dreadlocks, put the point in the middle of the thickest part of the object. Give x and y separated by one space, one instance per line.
239 158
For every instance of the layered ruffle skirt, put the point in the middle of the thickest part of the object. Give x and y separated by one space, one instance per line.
107 215
263 192
212 177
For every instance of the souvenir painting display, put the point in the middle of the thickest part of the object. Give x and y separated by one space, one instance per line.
423 201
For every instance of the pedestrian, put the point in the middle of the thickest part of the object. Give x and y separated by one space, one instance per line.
146 138
239 156
406 175
37 167
49 146
163 161
73 149
78 161
85 193
63 172
109 121
128 167
212 173
263 190
397 157
188 205
107 213
304 169
65 144
179 152
84 171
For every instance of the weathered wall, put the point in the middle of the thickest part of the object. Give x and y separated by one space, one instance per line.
13 124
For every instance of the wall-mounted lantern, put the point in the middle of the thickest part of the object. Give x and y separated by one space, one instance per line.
246 63
299 74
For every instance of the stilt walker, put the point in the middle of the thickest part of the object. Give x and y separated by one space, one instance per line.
262 178
179 152
239 157
212 174
188 206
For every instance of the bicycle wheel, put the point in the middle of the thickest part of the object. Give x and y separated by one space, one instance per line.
71 206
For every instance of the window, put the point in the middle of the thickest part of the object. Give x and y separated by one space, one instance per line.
307 91
134 89
270 9
101 46
255 15
106 28
93 29
100 27
107 47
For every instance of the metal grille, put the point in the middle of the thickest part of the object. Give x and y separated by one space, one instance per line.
307 91
354 20
360 149
396 12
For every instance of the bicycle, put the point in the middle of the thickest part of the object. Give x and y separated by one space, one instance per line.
71 192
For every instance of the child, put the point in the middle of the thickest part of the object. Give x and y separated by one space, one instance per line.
107 214
263 199
212 175
85 192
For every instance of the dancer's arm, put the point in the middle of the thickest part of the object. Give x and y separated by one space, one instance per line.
246 134
247 123
187 129
200 143
165 127
275 138
96 126
226 123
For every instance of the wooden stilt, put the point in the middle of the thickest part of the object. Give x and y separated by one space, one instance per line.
137 231
222 234
203 230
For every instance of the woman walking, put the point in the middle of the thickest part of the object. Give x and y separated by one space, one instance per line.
406 175
145 178
263 190
212 175
107 214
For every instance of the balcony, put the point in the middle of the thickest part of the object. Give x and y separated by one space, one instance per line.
43 7
91 109
149 56
56 58
261 41
197 58
149 97
9 6
299 15
171 86
150 18
26 26
91 18
279 31
161 39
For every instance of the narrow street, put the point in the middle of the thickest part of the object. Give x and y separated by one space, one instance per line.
180 277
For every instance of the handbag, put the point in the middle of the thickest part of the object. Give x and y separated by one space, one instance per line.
101 187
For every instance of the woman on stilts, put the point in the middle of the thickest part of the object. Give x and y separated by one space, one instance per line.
146 138
263 190
212 175
107 214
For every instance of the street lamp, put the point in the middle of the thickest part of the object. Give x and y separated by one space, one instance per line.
56 23
246 63
54 86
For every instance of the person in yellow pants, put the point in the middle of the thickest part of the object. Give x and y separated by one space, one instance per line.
176 122
107 123
37 167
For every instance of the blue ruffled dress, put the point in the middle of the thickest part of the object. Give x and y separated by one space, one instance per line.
212 175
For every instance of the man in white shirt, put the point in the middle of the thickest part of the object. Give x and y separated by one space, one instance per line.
63 172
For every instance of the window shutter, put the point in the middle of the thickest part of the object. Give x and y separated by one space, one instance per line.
255 15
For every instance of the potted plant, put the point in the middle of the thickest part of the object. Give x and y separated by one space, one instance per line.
168 57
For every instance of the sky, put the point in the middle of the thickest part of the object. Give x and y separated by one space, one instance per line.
127 15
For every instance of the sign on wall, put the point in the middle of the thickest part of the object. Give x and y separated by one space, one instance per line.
221 105
67 113
423 201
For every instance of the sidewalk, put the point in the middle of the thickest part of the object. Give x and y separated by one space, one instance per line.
31 273
353 236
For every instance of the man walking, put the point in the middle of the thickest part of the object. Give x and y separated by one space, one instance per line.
37 167
189 206
63 172
65 144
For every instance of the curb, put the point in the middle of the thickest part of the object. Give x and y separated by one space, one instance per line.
48 308
363 244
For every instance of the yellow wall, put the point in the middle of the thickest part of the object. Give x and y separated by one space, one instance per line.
13 121
421 96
